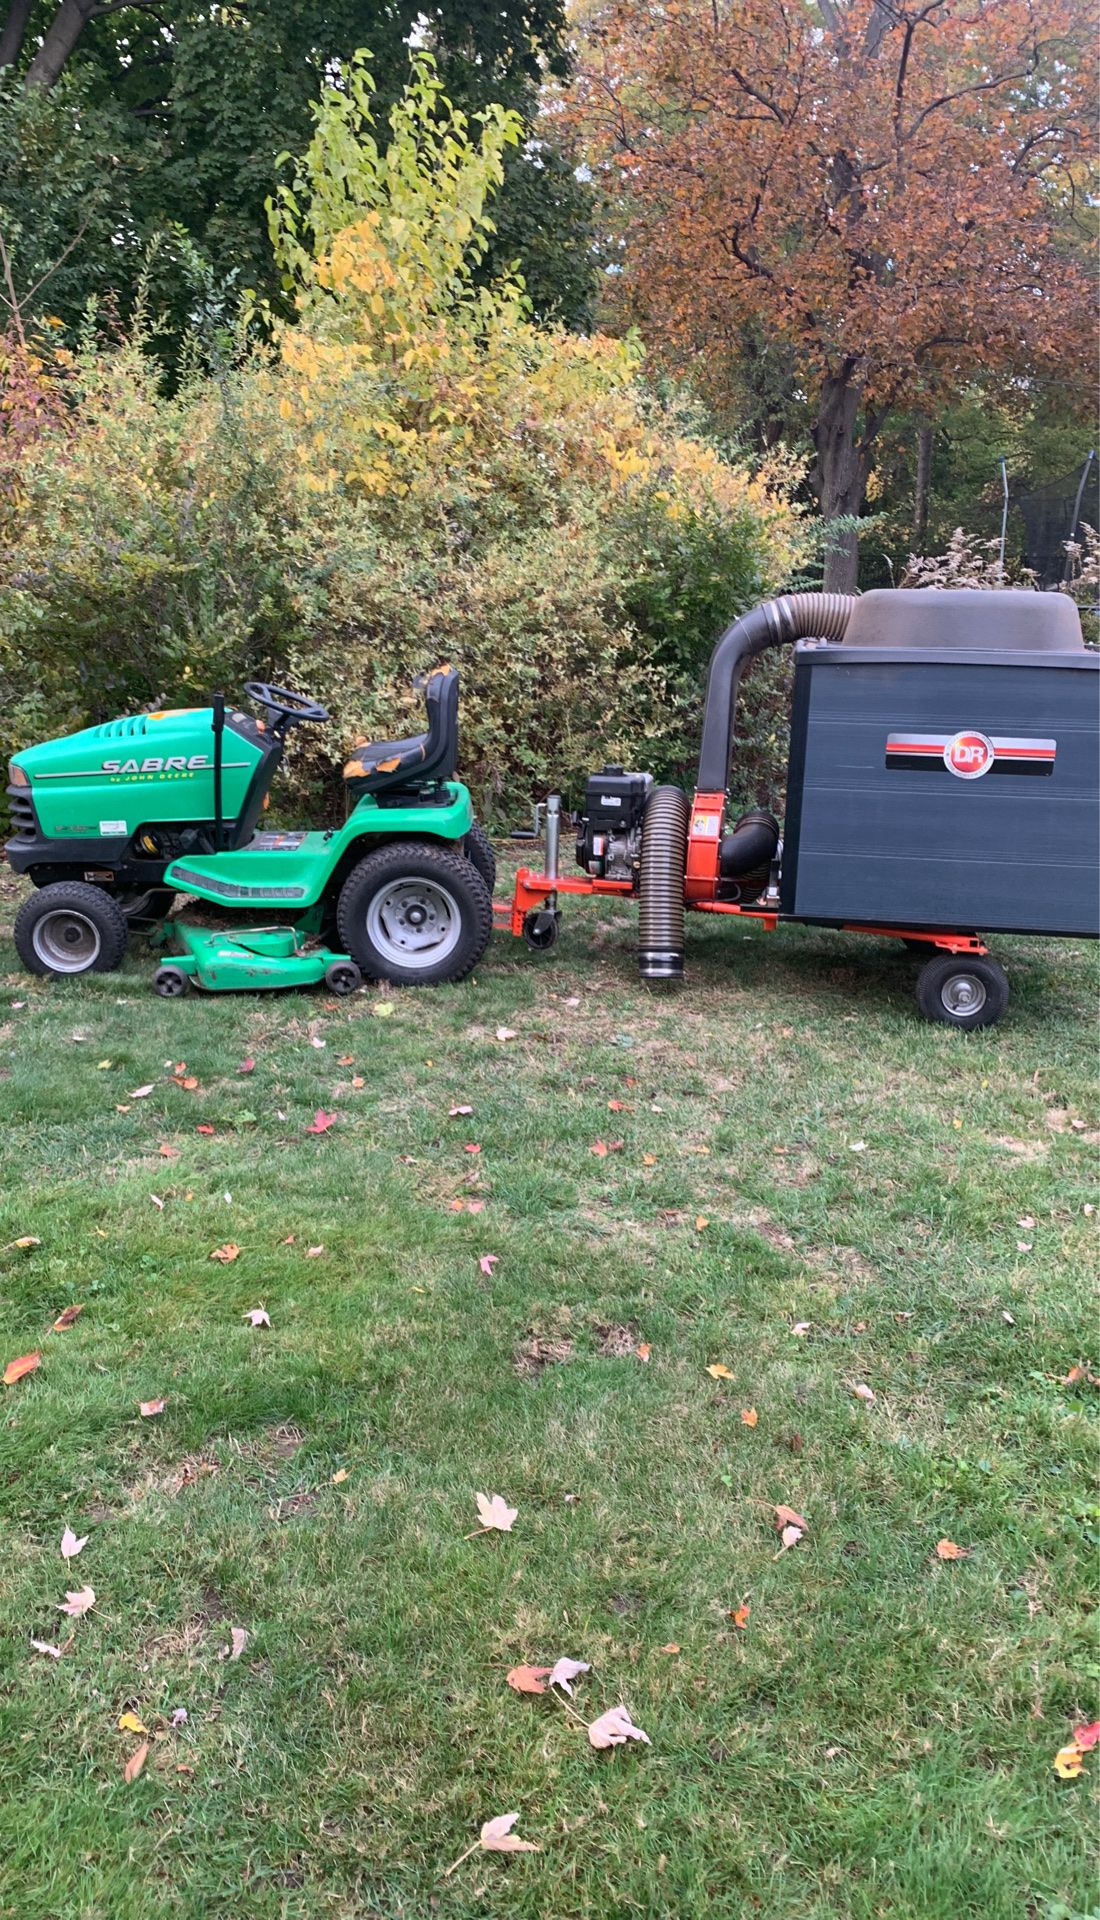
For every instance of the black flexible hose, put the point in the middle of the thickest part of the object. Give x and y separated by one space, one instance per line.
661 890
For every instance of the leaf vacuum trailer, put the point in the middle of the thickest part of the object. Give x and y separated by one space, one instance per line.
943 784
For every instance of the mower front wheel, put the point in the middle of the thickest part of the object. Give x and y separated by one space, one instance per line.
414 914
70 927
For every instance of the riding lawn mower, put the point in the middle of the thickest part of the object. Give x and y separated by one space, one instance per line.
943 778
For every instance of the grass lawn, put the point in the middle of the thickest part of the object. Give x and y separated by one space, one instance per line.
876 1741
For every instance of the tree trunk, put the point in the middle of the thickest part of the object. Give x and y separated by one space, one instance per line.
62 35
923 488
840 477
14 31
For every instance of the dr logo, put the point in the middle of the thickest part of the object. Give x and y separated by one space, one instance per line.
968 755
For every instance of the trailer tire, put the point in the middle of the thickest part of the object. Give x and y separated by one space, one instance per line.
479 852
962 990
415 915
68 928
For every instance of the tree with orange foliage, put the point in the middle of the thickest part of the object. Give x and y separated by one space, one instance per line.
880 189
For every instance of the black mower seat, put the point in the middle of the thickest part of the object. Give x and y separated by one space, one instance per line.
432 755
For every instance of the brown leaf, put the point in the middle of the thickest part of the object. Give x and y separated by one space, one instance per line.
787 1517
238 1638
135 1763
168 1152
16 1369
495 1513
66 1318
670 1648
226 1254
497 1836
148 1409
528 1679
614 1728
643 1350
77 1604
947 1550
701 1221
740 1615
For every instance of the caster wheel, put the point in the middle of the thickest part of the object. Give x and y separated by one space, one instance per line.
962 990
540 930
171 982
343 977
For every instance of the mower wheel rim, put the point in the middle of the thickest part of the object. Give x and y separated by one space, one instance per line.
414 923
963 994
66 941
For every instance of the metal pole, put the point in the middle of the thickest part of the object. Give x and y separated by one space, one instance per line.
1004 514
1068 569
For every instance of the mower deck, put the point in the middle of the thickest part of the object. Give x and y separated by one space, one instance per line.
221 962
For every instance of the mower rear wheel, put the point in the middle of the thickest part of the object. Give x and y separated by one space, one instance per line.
415 915
962 990
479 852
70 927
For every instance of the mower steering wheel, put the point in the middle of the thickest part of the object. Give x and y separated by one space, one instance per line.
287 706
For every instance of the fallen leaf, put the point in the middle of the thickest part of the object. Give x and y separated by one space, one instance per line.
487 1262
168 1152
643 1350
454 1112
801 1328
649 1159
565 1670
497 1836
339 1477
1027 1221
71 1546
66 1318
740 1615
475 1206
129 1723
206 1129
614 1728
238 1638
257 1317
749 1416
1087 1737
187 1081
44 1646
135 1763
1024 1246
947 1550
528 1679
600 1149
857 1146
701 1221
617 1106
719 1372
149 1408
471 1147
101 1064
15 1369
383 1009
226 1254
863 1392
358 1080
157 1202
1007 1317
495 1513
77 1604
506 1033
322 1121
141 1093
315 1040
790 1537
179 1717
27 1240
787 1517
1068 1762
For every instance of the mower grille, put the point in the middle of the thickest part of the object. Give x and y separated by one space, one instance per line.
21 806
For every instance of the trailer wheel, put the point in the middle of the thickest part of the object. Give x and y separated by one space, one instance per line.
479 852
962 990
414 914
69 928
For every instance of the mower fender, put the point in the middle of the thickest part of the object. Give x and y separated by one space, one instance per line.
293 871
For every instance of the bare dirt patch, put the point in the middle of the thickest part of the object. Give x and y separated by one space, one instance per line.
541 1347
614 1342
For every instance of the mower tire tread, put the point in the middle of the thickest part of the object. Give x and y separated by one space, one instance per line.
403 864
80 903
479 852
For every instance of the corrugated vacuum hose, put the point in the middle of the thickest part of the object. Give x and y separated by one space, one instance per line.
661 890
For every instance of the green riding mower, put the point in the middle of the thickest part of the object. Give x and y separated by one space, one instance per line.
116 823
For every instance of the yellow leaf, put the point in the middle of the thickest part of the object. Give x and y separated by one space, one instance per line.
719 1372
749 1416
701 1221
1068 1762
129 1723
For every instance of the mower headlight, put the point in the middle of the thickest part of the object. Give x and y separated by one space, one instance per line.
16 776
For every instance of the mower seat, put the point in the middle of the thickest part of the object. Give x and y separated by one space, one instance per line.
433 755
